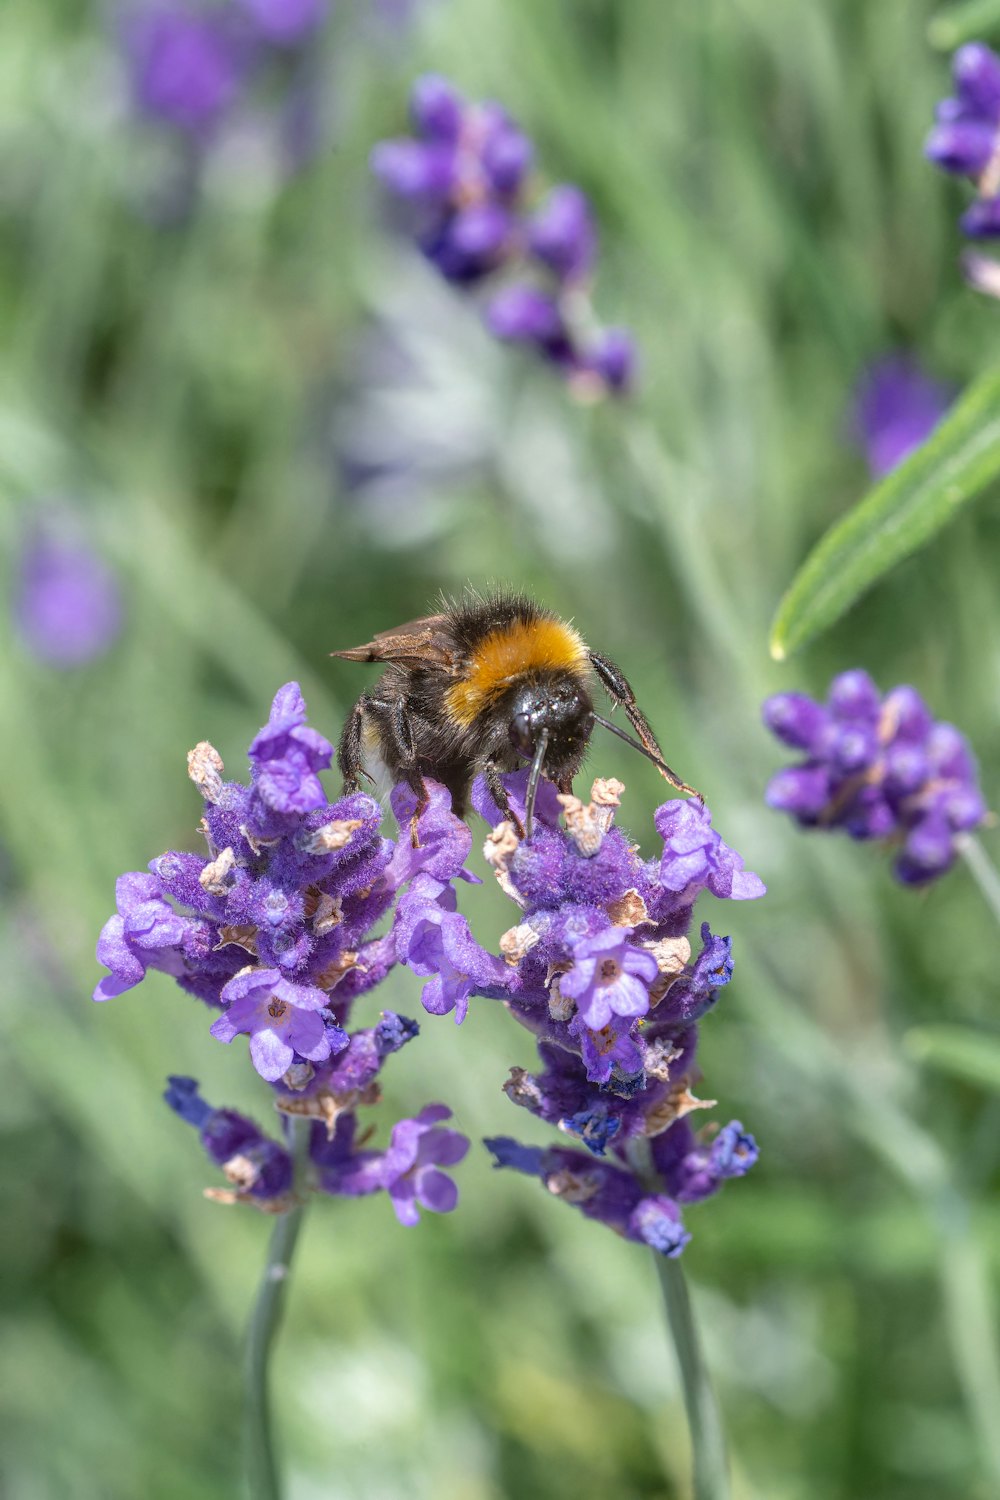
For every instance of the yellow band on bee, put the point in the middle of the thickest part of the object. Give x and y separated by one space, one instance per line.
508 653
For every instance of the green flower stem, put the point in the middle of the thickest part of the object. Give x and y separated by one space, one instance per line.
258 1439
983 870
708 1447
708 1444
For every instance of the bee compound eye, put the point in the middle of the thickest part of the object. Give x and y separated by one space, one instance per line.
520 735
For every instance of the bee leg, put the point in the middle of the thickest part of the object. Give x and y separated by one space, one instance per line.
349 758
497 790
394 718
619 690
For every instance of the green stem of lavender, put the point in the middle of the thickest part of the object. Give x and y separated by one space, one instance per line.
708 1447
708 1444
983 870
263 1482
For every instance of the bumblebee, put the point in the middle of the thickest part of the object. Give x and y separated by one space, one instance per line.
488 685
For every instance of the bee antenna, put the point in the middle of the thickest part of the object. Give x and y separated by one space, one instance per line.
660 765
534 777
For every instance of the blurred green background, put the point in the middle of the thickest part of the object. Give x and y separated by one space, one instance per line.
286 434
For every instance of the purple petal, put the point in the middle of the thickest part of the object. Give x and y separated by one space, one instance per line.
269 1054
436 1191
402 1195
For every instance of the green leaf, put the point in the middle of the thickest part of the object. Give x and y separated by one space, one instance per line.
956 464
967 1053
965 22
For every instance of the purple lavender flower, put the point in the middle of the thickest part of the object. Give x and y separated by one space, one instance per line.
600 1190
878 769
967 133
599 969
412 1165
282 1020
286 755
186 65
897 407
609 978
67 603
696 858
465 178
966 141
259 1169
272 929
437 945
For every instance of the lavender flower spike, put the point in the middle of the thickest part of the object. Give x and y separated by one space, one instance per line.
966 141
598 966
271 927
466 179
877 768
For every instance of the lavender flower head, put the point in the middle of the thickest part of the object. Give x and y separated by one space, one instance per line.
467 177
67 602
966 141
877 768
271 929
897 406
600 969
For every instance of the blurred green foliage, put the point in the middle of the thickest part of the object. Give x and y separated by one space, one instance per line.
768 224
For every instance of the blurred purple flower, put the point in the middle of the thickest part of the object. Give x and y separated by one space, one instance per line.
186 65
465 177
877 768
67 602
286 23
966 141
897 406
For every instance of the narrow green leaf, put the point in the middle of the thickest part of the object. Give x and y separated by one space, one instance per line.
956 464
960 1050
965 22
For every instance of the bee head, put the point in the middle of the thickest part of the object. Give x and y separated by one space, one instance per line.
560 705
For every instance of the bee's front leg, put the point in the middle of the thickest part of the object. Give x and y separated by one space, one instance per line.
497 790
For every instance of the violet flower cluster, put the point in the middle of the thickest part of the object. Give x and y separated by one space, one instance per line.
193 66
965 141
599 968
271 930
877 768
467 175
897 405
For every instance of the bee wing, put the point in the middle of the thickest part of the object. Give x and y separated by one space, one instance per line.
419 643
